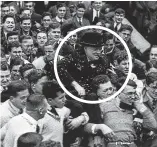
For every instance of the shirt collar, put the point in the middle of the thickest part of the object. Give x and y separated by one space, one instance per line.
14 109
30 119
78 19
58 19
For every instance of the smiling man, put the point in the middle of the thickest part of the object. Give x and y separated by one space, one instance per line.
78 70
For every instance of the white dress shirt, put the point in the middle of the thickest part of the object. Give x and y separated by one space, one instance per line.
17 126
95 14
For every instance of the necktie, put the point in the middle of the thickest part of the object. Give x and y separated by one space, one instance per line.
116 28
21 111
37 129
61 22
97 13
80 21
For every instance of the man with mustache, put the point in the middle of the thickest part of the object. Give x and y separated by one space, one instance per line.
78 69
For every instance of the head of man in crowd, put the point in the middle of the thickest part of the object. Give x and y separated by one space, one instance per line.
36 106
61 10
30 139
92 43
125 32
50 50
15 65
36 80
27 45
153 53
119 15
46 19
5 74
97 5
12 10
41 38
18 93
110 44
121 62
54 33
29 5
151 84
129 95
56 97
25 12
80 10
151 65
15 50
4 9
102 86
25 24
12 36
8 23
26 69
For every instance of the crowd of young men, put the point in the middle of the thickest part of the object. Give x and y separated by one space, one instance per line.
92 64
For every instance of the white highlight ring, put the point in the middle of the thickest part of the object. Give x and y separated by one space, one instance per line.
77 98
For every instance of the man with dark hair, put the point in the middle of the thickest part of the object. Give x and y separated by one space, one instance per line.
78 20
58 114
5 75
117 117
94 13
36 107
118 18
17 94
36 80
16 52
77 70
153 53
4 9
15 65
46 20
61 11
30 139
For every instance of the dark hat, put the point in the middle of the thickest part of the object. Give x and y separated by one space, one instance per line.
94 39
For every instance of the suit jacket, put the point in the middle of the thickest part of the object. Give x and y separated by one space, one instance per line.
54 21
36 17
85 22
89 15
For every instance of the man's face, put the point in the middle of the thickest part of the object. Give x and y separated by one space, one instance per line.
5 10
124 66
27 46
97 5
12 10
119 17
61 12
37 88
16 52
105 90
125 34
152 89
26 13
73 39
93 53
46 21
26 25
49 52
153 54
54 34
5 78
20 99
29 6
59 101
129 95
15 74
41 39
9 24
80 12
110 46
13 38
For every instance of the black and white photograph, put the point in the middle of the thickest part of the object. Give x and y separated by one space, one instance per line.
92 64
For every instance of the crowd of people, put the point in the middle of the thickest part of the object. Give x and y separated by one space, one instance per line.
92 64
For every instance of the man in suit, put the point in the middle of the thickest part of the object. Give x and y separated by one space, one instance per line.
78 20
61 11
94 13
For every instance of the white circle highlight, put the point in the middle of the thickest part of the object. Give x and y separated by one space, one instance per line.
77 98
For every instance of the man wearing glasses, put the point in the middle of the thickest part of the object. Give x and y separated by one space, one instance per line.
116 120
